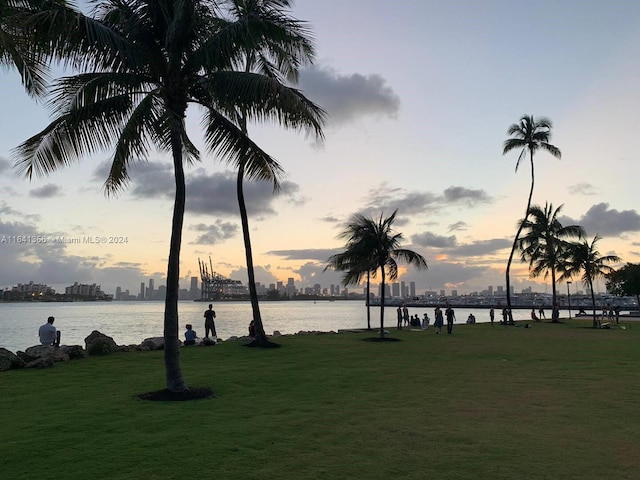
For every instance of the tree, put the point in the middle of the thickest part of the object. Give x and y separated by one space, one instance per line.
625 281
355 261
544 241
583 259
371 246
529 135
151 59
276 45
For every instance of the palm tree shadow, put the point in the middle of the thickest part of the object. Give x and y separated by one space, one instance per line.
169 396
383 339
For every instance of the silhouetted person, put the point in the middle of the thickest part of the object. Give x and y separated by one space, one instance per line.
451 317
190 335
209 325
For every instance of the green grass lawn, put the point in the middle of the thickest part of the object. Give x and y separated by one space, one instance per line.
549 402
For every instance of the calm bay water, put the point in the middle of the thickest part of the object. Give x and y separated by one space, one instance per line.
131 322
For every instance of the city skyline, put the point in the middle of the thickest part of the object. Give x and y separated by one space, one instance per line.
418 116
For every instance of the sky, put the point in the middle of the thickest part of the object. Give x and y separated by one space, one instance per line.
420 95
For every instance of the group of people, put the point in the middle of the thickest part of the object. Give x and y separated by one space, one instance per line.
190 335
414 320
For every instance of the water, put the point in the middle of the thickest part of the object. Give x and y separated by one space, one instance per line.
131 322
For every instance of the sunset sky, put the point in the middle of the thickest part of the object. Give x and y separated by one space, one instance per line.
420 96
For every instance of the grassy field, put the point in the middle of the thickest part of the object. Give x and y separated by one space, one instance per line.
549 402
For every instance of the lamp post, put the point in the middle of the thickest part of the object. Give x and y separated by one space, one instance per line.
569 299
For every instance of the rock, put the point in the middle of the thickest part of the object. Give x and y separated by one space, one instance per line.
99 344
207 342
276 333
9 360
45 351
42 362
74 351
153 343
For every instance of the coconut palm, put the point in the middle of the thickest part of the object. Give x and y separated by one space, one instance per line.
133 98
277 45
584 260
356 262
529 135
371 246
543 242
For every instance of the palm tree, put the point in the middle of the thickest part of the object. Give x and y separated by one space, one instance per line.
544 241
152 59
30 32
529 135
283 44
583 258
371 246
356 262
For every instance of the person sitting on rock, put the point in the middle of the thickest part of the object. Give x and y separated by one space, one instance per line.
48 333
190 335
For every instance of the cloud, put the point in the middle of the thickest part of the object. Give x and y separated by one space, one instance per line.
5 165
481 247
465 196
52 263
207 194
427 239
606 222
458 226
583 189
384 199
262 275
319 254
46 191
348 97
216 233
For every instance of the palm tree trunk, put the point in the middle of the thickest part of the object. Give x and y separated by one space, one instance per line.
554 295
173 372
593 304
515 242
260 335
368 301
382 286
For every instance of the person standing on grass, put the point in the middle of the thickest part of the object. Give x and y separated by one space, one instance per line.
439 320
451 317
541 313
491 315
405 315
399 317
209 325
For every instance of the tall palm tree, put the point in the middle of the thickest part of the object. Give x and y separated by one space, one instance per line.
373 246
544 241
133 97
277 45
529 135
583 259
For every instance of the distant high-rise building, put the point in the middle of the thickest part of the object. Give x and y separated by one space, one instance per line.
395 289
442 293
403 289
193 290
500 289
454 293
490 289
141 294
118 293
412 289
